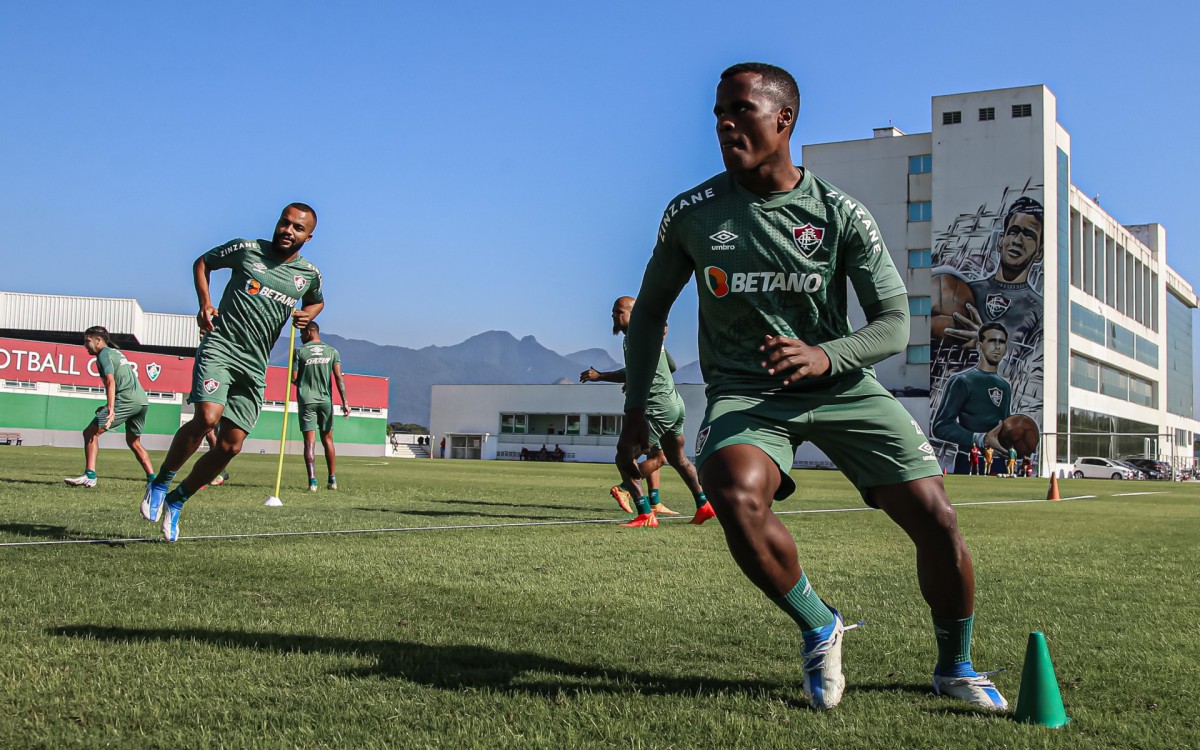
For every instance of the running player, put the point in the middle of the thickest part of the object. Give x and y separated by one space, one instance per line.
316 363
665 415
231 363
771 246
126 404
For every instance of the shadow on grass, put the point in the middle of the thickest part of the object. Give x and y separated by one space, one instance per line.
454 667
35 482
575 508
470 514
41 531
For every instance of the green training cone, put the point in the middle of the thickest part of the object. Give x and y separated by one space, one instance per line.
1040 701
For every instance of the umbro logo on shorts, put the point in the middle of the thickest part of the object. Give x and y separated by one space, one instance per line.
210 385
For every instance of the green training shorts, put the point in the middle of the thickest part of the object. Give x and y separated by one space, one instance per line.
664 418
861 427
316 416
133 416
221 380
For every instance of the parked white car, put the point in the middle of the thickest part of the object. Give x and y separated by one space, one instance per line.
1101 468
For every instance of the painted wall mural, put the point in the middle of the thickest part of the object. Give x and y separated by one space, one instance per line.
986 359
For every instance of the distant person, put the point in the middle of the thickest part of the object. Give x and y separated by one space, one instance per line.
559 454
976 454
1027 468
230 372
317 363
989 455
665 417
1012 462
442 449
543 454
125 404
772 248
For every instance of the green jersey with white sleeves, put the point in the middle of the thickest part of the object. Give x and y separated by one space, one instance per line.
258 300
764 265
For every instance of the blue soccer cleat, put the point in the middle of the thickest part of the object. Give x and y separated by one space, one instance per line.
153 501
971 687
170 524
824 682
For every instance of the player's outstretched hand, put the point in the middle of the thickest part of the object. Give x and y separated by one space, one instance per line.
301 319
967 331
204 318
590 375
346 410
793 359
634 441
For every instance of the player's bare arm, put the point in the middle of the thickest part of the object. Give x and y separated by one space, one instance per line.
592 375
200 273
110 392
341 386
302 317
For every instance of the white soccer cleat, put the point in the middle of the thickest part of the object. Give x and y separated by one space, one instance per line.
973 688
80 481
331 486
824 682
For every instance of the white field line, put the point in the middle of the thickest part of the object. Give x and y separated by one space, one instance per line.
1131 494
516 525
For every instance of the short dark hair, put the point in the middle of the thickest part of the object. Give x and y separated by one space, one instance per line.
993 326
1024 205
102 333
313 326
780 83
302 207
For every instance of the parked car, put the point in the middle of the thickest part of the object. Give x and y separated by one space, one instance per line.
1153 469
1137 473
1094 467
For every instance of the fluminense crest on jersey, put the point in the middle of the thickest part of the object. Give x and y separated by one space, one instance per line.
997 304
996 395
300 282
721 282
153 370
808 238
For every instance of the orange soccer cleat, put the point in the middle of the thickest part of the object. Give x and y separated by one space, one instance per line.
703 513
621 495
662 510
644 520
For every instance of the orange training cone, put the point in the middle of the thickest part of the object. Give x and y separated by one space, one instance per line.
1053 493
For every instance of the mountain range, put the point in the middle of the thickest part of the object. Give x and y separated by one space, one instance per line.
493 357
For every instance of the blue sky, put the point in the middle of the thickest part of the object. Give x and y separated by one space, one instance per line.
484 166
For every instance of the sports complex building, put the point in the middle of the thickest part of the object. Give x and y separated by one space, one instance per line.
50 390
982 219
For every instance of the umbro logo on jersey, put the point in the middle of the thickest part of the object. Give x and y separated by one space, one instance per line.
300 282
721 283
808 238
996 305
723 238
996 395
211 385
259 266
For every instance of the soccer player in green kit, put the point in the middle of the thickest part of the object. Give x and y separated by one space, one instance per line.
665 415
771 246
316 364
230 373
126 404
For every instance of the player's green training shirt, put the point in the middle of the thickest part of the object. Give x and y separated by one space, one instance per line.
110 361
775 265
314 371
662 388
258 300
972 404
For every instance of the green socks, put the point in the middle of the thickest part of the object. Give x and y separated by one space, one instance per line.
953 643
150 477
804 606
700 499
654 497
90 474
165 478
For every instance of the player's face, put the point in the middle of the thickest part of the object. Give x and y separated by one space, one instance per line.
295 227
1021 243
620 317
751 128
93 344
993 346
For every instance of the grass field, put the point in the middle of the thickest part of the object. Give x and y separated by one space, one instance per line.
571 635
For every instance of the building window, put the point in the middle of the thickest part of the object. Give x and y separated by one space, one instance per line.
919 306
922 164
922 258
573 424
1022 110
1146 351
951 118
1085 373
1114 383
514 424
987 113
1087 324
605 424
1120 340
920 211
917 354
